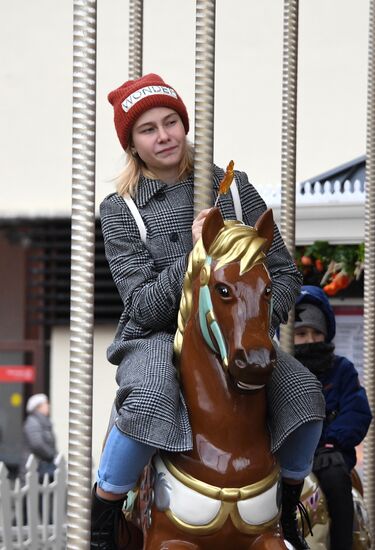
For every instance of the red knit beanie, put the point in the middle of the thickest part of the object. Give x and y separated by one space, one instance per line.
135 97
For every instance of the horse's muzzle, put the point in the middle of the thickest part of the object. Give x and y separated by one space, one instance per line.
254 367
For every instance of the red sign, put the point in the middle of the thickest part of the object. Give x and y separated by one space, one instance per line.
17 373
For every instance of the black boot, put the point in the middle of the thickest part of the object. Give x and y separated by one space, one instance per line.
290 495
109 529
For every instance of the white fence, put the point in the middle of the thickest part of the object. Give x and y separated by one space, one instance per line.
33 515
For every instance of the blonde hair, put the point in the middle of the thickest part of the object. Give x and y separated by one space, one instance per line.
127 180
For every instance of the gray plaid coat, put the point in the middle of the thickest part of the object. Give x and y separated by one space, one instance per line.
149 278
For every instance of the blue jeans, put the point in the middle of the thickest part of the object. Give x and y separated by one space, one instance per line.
122 462
123 458
296 454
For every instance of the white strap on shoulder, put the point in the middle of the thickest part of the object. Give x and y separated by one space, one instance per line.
236 199
142 228
137 217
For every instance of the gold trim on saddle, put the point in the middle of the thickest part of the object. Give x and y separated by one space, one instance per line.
227 509
230 494
234 502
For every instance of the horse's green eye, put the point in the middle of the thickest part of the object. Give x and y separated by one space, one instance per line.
223 291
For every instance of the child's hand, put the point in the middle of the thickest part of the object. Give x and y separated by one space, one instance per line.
198 224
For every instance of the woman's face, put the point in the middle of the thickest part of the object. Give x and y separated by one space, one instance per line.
44 408
159 139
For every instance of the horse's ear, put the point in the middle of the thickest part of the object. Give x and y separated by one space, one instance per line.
265 226
211 227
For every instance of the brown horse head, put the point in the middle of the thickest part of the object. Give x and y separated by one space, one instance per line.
235 298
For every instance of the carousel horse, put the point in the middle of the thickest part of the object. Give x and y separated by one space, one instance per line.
225 492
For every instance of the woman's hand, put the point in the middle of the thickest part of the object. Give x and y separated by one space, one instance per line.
198 224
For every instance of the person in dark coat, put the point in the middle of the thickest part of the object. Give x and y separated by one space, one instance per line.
38 435
348 414
149 230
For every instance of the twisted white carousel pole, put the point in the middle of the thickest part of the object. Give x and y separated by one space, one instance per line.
82 275
369 285
288 146
204 103
135 38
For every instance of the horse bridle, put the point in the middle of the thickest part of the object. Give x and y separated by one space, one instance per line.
207 319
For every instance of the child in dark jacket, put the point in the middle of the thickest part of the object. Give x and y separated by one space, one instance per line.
348 414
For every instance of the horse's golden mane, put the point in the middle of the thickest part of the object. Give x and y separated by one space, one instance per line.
235 241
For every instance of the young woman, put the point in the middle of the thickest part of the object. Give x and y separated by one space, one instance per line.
147 240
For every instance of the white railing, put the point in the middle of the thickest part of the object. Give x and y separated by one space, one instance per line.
327 192
331 191
33 514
